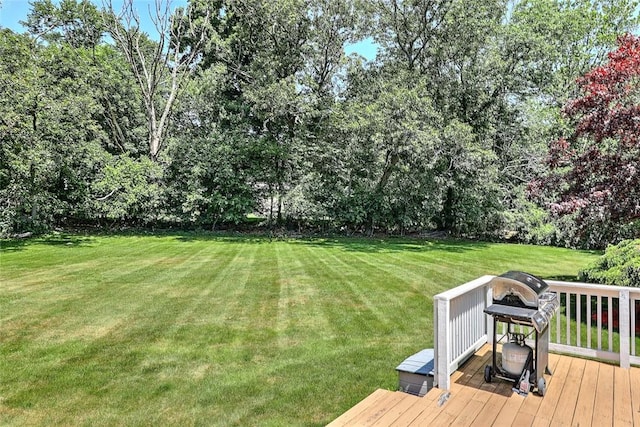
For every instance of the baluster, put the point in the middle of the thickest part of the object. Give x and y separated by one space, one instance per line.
558 320
599 302
568 315
578 319
633 326
589 302
610 321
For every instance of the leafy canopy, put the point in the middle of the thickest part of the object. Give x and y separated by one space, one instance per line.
597 168
620 265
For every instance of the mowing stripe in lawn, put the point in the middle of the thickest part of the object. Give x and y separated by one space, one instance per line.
198 329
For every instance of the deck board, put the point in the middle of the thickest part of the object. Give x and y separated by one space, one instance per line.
622 407
396 412
493 406
583 412
510 410
382 406
579 393
413 412
603 405
563 415
634 380
532 403
547 406
361 407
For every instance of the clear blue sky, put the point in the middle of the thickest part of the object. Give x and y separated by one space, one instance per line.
14 11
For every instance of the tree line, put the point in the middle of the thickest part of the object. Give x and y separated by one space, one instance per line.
240 107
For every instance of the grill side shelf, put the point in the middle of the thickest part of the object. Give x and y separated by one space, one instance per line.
520 313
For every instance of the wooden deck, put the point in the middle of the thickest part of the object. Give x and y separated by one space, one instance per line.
579 393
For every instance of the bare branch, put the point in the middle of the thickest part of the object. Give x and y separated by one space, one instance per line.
101 199
159 68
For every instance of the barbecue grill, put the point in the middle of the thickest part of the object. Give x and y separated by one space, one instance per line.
521 299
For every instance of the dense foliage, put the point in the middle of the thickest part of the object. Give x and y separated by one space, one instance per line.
596 171
620 265
252 107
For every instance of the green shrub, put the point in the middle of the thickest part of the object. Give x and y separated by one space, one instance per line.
620 265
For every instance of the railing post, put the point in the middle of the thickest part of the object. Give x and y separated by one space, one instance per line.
624 328
443 344
488 320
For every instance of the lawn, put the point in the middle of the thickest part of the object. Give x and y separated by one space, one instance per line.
191 329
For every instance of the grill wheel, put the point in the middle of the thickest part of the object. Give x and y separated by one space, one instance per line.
487 374
542 386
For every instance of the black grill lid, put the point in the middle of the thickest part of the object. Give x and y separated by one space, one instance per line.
518 288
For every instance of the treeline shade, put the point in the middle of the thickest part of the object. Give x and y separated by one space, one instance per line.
251 107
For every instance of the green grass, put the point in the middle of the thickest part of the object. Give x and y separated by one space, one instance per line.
191 329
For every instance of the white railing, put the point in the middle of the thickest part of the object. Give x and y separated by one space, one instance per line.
460 326
593 321
596 321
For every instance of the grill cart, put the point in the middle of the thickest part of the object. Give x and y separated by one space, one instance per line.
521 299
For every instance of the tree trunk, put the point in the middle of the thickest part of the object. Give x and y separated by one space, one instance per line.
154 144
34 191
270 207
448 214
169 59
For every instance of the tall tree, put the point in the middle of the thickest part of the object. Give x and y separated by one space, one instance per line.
214 166
17 74
379 165
595 172
560 40
408 30
452 46
71 136
332 24
76 22
52 142
281 60
160 67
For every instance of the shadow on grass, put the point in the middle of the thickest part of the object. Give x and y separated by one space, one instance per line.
219 237
66 240
345 243
374 245
13 245
353 244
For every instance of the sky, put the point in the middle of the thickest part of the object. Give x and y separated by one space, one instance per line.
14 11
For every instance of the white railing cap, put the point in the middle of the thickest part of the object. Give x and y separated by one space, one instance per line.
463 289
596 288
